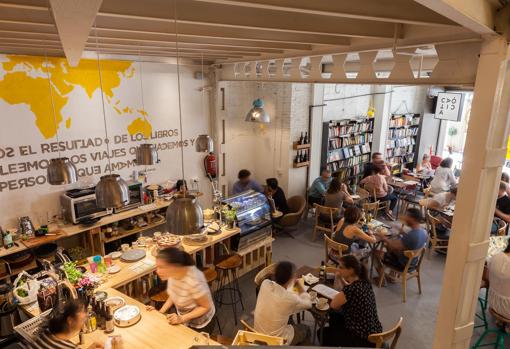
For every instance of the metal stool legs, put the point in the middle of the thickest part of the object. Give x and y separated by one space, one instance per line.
229 284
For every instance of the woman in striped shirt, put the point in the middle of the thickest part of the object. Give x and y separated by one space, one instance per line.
187 290
64 324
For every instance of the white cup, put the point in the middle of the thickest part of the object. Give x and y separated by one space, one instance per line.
321 302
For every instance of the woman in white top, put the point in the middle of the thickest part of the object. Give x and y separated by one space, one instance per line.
499 280
187 290
443 177
425 164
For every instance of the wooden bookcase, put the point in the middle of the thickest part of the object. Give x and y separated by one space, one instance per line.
346 147
402 140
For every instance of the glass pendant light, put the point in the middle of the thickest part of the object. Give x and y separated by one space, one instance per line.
184 215
60 170
257 113
111 191
146 154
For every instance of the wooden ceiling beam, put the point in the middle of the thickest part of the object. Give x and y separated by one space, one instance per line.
92 46
393 11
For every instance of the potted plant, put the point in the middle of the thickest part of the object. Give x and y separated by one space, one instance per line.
452 132
230 214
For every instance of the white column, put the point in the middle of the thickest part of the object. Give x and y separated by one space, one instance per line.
484 156
316 131
382 115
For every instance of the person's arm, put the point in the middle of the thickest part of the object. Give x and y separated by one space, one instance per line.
319 186
167 305
256 186
338 301
384 185
364 236
498 213
339 225
419 167
347 196
203 306
303 299
452 181
364 180
387 172
394 245
236 188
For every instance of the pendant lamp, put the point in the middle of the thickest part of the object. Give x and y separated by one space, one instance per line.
184 215
111 191
60 170
146 153
257 113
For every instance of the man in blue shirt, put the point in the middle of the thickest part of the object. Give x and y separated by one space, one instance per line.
414 239
246 183
319 186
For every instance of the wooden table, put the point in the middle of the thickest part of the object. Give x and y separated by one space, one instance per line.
152 331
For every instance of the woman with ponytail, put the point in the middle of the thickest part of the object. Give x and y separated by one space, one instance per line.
354 316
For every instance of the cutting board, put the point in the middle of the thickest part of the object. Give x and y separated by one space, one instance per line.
39 240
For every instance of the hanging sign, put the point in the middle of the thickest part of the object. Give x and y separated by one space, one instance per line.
449 106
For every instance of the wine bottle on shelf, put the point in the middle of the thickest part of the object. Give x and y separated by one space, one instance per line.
305 156
301 139
296 159
302 159
305 140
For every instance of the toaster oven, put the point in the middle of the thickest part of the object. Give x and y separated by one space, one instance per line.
135 190
80 204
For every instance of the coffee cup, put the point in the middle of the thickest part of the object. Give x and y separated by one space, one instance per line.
321 302
124 247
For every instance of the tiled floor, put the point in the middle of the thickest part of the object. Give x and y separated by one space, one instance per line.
419 311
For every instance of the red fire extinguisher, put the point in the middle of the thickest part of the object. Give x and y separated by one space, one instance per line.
210 165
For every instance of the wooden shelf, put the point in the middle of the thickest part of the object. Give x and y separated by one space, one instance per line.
297 146
124 233
301 164
16 271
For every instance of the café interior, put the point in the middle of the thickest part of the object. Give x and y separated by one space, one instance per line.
192 173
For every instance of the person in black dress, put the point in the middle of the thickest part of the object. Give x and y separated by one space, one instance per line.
275 192
354 316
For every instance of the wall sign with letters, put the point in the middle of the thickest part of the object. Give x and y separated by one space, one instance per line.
449 106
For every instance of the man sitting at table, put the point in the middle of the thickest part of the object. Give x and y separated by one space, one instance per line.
377 159
275 192
277 301
246 183
412 240
319 187
440 201
503 203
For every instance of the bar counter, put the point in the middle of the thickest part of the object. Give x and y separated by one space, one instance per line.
152 331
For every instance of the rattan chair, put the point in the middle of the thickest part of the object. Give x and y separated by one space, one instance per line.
337 248
326 226
436 243
408 272
379 339
30 328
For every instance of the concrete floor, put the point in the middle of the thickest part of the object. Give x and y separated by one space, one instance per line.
419 311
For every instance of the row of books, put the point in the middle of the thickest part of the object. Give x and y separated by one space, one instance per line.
348 152
338 129
346 173
407 158
402 132
346 163
400 142
405 120
399 151
335 143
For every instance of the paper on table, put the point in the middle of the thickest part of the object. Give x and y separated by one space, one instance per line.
326 291
142 266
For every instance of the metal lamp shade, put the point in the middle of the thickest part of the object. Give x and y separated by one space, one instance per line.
184 216
146 154
204 144
112 192
61 171
257 113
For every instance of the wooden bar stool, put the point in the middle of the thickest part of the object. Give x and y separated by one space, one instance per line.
210 276
228 282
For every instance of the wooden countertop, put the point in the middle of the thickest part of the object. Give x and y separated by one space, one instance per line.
132 271
152 331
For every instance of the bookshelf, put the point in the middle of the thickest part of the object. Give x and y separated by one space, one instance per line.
403 136
346 147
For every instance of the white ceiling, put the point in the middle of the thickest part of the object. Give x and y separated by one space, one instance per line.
226 30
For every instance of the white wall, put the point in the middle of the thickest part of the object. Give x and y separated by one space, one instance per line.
85 113
355 100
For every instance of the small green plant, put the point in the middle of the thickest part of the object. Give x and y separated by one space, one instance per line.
452 131
229 213
73 274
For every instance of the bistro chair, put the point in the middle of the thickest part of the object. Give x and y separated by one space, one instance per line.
380 339
296 206
333 250
364 195
247 327
483 300
326 225
436 243
30 329
383 206
264 274
500 333
408 272
502 228
371 207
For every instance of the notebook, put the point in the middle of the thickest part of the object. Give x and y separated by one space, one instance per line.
325 291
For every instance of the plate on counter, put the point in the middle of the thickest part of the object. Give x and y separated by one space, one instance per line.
116 255
127 315
131 256
115 302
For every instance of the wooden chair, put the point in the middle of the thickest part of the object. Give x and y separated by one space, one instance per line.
247 327
379 339
408 272
436 243
337 248
372 208
296 206
364 195
502 228
383 206
320 224
264 274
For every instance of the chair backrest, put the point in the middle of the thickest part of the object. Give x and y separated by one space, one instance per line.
329 211
435 161
393 334
330 244
264 274
432 223
427 191
363 193
411 255
296 204
502 228
247 327
29 329
371 207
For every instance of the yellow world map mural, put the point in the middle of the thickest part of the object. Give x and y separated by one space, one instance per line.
45 84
